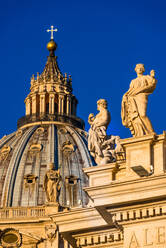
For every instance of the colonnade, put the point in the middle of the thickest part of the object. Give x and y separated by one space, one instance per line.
50 103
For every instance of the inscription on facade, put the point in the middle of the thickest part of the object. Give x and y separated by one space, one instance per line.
151 236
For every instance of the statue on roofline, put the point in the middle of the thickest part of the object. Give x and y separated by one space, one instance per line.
134 103
102 147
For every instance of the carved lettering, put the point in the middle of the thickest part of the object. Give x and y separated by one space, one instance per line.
134 242
160 235
152 235
148 237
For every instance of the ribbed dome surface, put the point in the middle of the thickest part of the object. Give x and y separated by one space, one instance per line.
24 159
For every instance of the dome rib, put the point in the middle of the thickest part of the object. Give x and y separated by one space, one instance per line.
53 146
81 144
4 140
7 194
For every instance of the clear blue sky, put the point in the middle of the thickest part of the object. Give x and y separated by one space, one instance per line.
99 44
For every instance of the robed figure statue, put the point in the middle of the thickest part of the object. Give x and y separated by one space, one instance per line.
52 184
102 147
134 103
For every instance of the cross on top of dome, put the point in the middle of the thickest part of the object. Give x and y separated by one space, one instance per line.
52 30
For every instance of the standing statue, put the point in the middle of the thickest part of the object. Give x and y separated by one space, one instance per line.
102 146
52 184
134 103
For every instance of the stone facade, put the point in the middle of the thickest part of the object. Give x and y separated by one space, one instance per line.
121 204
128 205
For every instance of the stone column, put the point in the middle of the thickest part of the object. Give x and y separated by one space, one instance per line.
74 106
42 104
61 104
51 103
68 111
66 245
28 106
34 104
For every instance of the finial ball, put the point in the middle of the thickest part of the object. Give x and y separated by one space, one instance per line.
51 45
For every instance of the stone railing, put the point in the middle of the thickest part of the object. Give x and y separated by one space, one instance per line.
22 212
73 120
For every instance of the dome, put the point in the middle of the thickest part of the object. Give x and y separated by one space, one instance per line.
49 133
24 160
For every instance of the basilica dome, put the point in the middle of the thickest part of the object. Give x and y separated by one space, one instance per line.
49 133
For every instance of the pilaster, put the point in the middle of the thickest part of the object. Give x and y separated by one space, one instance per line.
61 103
74 106
42 104
159 156
51 103
68 110
28 106
34 104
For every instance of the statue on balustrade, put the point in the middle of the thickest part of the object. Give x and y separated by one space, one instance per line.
102 147
52 185
134 103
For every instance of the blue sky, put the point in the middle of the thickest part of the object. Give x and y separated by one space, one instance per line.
99 44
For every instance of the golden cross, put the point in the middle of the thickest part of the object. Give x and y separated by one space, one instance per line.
52 30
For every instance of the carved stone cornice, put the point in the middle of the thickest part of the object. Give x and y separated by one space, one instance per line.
126 191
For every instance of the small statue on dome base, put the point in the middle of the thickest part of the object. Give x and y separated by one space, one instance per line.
52 185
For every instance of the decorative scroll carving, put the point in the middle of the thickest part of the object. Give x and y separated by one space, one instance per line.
134 103
19 132
4 152
102 147
35 148
40 130
68 148
51 232
63 130
10 238
52 184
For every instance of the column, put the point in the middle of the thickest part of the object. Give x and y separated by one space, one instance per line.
61 104
27 106
42 104
34 107
74 106
68 111
51 103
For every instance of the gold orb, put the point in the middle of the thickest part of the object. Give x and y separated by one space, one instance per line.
51 46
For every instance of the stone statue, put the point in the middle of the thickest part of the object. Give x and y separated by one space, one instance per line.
134 103
102 146
52 184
